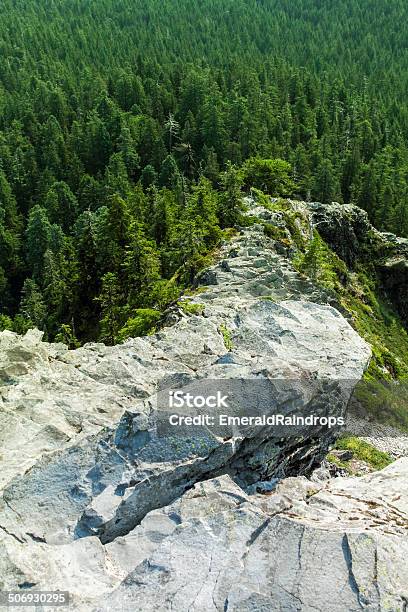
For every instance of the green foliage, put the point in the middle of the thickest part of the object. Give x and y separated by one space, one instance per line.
112 313
364 452
360 297
191 308
373 317
130 157
38 237
21 325
32 306
231 206
294 227
61 199
277 233
383 391
325 187
320 264
67 336
143 322
272 176
6 323
227 337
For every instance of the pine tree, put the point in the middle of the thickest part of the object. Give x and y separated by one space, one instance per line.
149 176
367 196
55 292
230 202
88 281
11 219
325 183
350 173
110 304
170 175
32 306
61 205
141 265
38 236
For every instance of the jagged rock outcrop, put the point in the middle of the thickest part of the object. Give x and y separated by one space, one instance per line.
94 496
394 273
339 546
348 231
290 340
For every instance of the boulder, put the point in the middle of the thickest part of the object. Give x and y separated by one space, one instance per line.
339 548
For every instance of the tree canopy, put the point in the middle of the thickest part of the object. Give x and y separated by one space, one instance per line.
128 131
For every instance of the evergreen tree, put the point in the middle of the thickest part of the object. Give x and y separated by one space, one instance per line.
106 145
170 175
230 203
149 176
116 176
325 183
38 236
110 300
61 205
32 306
142 266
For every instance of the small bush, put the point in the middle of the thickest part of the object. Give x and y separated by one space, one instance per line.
322 265
143 323
67 336
191 308
6 323
270 175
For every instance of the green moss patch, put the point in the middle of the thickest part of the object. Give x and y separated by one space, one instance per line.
191 308
363 451
321 265
227 337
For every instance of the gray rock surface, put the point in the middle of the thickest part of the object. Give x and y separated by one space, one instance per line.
104 467
95 500
338 546
346 229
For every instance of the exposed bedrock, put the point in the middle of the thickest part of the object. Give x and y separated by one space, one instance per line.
82 455
347 230
339 546
97 500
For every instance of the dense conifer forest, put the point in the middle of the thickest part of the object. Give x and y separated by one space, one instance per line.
130 129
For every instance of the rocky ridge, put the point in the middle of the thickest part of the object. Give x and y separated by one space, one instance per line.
94 501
